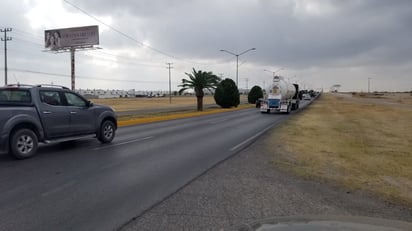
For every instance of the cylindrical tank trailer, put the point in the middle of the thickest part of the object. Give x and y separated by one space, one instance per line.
282 96
281 88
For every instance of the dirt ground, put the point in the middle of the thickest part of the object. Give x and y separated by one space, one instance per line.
400 100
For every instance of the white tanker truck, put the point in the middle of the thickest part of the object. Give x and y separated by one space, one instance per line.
282 96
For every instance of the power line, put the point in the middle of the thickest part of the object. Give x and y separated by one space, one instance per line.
131 38
127 58
27 34
120 32
120 61
27 41
37 40
81 77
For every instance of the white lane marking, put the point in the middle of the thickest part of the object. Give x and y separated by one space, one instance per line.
250 139
123 143
57 189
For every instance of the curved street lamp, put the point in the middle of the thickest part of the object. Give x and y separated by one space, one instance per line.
237 61
274 72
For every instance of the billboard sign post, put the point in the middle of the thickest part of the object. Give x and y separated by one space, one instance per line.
68 38
71 39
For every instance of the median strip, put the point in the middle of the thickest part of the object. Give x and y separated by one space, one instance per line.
127 121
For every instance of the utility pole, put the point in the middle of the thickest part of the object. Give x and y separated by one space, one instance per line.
5 39
247 85
169 66
72 67
369 83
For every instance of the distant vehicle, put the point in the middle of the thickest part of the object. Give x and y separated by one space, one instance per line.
48 113
306 97
283 97
258 102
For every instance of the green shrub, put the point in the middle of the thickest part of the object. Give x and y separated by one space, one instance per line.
255 93
227 94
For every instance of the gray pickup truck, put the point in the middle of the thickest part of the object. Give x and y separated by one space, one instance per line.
47 113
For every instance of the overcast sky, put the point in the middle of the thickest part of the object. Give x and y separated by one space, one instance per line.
317 43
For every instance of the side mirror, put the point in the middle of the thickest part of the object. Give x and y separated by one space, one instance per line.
89 103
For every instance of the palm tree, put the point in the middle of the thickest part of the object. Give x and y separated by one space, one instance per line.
199 80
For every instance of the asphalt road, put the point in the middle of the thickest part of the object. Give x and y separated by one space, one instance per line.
248 188
84 185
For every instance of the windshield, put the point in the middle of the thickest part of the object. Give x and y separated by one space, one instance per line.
273 102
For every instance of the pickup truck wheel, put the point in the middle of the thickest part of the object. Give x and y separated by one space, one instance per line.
23 143
107 132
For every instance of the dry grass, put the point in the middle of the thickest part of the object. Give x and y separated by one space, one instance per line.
129 104
156 117
362 146
398 98
405 98
146 116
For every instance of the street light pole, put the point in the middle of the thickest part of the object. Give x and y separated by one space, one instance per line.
237 62
274 72
169 66
237 71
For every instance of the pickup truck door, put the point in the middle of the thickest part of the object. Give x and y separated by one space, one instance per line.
53 114
82 117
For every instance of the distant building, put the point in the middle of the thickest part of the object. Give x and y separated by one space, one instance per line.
104 94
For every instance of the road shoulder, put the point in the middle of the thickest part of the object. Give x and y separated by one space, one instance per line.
248 187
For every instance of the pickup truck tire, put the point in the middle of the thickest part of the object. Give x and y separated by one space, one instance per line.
107 132
23 143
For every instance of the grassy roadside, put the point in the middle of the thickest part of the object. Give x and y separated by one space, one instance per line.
156 117
173 109
130 104
361 146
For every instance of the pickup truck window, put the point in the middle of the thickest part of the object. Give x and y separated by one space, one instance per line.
14 96
51 98
74 100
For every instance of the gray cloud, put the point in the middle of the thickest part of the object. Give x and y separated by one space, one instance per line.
302 36
199 28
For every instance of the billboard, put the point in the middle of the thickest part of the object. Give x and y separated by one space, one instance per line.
58 39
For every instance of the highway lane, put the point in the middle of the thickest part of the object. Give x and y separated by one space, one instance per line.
84 185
